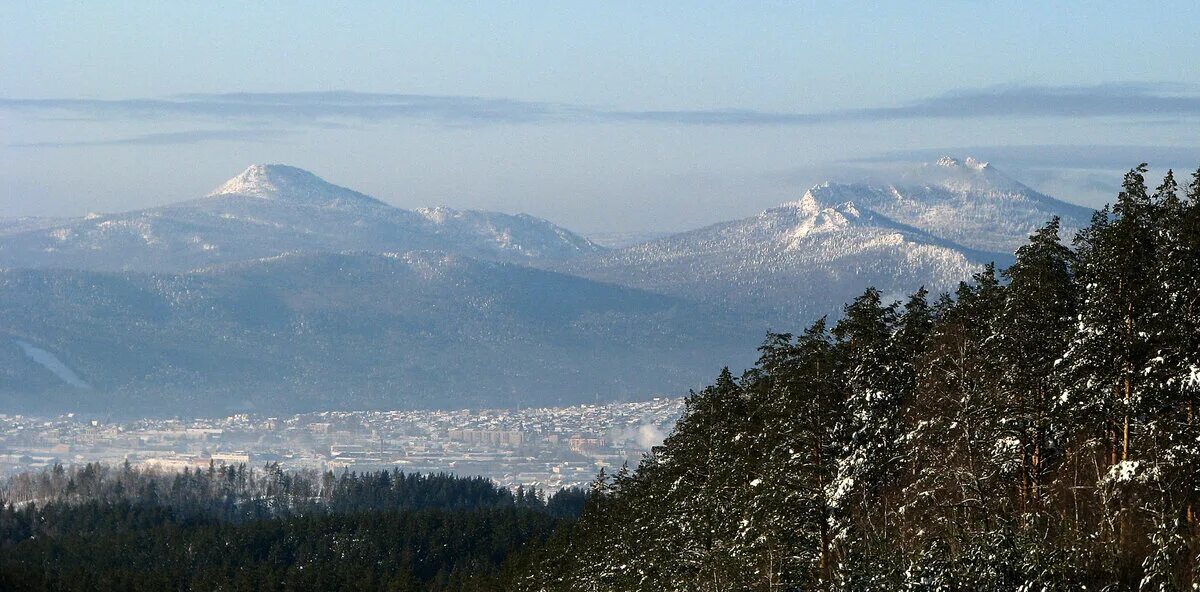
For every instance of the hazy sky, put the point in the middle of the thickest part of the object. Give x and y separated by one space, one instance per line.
596 115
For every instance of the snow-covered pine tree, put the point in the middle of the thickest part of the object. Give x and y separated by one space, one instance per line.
1177 363
1110 367
863 493
956 500
1033 330
1032 333
1181 284
1174 454
788 510
913 327
689 509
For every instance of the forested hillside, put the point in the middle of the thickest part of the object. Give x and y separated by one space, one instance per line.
1036 430
323 331
236 528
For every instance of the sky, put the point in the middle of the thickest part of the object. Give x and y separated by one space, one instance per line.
600 116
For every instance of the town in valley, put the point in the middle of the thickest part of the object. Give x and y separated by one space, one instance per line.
547 448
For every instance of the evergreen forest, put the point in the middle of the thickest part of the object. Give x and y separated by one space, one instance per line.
1036 430
98 527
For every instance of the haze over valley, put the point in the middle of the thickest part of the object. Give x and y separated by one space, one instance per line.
279 291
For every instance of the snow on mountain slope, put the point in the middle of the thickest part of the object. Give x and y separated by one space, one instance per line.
50 362
272 209
520 235
298 186
968 202
790 264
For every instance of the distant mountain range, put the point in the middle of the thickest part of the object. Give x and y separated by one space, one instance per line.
273 209
280 291
794 263
968 202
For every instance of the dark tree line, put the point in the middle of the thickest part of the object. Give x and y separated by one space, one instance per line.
239 492
98 527
1036 430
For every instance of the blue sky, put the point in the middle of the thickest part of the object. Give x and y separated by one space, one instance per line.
599 116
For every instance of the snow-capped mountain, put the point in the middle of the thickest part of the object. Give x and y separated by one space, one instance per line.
356 330
273 209
965 201
790 264
803 259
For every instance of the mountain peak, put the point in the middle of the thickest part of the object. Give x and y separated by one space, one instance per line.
438 214
970 162
826 196
822 209
962 175
808 203
288 183
261 180
966 201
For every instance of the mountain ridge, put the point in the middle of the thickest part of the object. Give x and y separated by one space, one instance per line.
802 259
270 209
969 202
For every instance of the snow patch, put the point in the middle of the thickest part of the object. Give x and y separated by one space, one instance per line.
51 362
1130 471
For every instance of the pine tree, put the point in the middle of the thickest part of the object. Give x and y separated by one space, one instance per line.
1114 372
913 328
788 508
956 496
1116 331
1033 331
862 492
1174 370
1181 283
